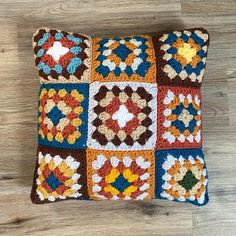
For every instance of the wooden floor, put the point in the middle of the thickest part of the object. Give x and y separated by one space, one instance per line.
18 114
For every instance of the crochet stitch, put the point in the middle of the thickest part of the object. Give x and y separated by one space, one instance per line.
181 57
120 118
181 175
63 115
120 175
179 118
124 58
59 174
62 57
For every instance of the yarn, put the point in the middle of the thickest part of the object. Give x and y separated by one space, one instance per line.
179 118
181 57
181 175
62 57
59 174
117 175
63 115
124 59
120 118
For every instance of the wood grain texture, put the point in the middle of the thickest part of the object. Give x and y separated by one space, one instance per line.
18 114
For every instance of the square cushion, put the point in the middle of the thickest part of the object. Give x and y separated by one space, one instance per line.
120 118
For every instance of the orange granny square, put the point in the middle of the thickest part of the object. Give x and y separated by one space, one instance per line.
120 175
123 59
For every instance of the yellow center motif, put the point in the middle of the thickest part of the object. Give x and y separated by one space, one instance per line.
187 52
112 176
127 174
185 117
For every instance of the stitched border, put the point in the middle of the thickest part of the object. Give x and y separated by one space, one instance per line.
147 155
163 143
94 88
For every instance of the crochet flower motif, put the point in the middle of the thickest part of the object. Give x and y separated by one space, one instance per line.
61 56
124 58
184 179
57 51
59 116
184 55
57 178
118 176
180 118
122 116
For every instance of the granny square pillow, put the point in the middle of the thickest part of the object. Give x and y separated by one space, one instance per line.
120 118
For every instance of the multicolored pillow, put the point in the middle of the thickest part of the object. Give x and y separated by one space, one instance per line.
120 118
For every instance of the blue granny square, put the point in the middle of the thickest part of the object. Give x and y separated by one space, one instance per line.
63 115
181 175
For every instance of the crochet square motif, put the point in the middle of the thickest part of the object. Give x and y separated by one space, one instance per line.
122 116
63 115
181 175
118 175
60 175
123 59
179 118
182 57
62 57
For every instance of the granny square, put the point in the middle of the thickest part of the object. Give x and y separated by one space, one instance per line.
120 175
62 57
120 118
63 115
60 174
181 57
124 59
181 175
179 118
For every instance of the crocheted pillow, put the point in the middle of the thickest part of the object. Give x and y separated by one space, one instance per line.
120 118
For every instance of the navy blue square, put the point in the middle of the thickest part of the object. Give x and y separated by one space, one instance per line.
53 182
121 183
